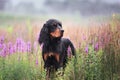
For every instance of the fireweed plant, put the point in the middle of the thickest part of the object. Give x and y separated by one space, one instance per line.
97 55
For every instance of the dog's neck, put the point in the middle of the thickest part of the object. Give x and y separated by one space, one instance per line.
55 40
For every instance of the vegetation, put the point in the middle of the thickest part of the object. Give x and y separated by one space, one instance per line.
97 52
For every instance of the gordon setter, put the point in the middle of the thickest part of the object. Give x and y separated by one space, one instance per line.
55 48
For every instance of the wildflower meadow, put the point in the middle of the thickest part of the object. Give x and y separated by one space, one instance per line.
97 49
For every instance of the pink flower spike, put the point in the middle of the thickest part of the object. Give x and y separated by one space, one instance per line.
1 45
83 37
96 47
69 51
86 49
2 39
3 52
10 48
14 49
41 46
36 61
29 46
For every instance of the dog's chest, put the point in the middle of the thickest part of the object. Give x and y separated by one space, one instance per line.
53 52
53 48
51 55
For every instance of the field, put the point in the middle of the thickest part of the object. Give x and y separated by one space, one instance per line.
97 43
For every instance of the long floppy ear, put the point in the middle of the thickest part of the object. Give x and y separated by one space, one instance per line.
43 36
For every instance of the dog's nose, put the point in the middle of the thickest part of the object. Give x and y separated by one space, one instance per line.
62 30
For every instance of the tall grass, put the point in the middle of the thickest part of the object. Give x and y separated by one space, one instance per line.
97 52
98 55
17 62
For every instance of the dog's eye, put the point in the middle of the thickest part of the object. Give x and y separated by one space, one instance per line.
60 25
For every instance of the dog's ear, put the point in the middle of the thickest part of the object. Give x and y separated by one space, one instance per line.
43 36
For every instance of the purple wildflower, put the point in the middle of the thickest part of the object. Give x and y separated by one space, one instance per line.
20 45
36 61
28 47
2 40
23 46
96 47
69 51
3 52
83 37
14 49
10 48
86 49
0 53
41 46
1 45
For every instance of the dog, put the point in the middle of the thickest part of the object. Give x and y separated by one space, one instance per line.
55 48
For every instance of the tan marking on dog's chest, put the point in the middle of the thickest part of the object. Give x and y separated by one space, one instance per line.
56 55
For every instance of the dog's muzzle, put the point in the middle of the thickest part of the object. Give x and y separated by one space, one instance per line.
62 30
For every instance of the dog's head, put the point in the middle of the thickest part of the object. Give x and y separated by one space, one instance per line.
51 29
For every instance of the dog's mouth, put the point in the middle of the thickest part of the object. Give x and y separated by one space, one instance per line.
57 33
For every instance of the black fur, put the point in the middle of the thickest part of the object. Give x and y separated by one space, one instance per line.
56 45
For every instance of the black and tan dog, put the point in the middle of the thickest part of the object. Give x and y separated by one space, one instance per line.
55 48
